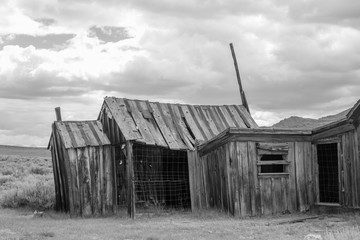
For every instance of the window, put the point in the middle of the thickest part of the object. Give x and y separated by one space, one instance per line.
272 163
272 159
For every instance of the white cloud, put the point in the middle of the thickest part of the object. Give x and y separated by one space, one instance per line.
295 58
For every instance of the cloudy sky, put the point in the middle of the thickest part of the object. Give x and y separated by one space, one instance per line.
295 57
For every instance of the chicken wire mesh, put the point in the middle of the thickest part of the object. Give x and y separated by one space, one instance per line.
328 172
161 178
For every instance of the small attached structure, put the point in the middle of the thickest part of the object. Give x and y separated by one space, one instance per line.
253 172
83 168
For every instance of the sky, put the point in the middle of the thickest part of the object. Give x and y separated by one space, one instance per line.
295 58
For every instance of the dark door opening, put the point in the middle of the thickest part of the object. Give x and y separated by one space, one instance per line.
161 178
327 155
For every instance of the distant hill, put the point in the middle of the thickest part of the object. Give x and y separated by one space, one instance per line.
24 151
309 123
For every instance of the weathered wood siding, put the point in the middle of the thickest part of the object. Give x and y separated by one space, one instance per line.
227 178
349 169
92 180
84 179
118 141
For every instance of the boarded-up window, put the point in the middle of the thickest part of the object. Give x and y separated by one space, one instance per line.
272 163
272 158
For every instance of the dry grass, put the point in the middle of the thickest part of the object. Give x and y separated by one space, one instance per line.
26 182
346 233
20 224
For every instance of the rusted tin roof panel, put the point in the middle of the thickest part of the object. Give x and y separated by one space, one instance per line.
76 134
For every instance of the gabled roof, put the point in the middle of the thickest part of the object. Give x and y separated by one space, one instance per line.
76 134
177 126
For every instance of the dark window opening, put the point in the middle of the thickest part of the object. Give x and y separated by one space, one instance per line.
276 166
327 155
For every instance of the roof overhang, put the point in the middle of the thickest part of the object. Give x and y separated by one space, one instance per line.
256 135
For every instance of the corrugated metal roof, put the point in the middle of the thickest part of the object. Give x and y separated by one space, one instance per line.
177 126
75 134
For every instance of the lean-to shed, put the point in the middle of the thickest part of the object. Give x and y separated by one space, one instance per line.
153 142
83 167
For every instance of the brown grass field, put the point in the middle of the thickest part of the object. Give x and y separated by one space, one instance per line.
26 184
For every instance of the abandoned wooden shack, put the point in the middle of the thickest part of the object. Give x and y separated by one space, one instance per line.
83 167
253 172
159 155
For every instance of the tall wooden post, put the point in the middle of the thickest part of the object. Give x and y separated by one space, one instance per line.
242 93
130 179
58 114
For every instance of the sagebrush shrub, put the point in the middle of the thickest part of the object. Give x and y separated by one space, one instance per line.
39 171
36 192
5 179
7 172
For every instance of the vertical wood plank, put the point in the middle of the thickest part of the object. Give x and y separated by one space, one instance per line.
197 177
130 179
352 147
101 185
308 166
341 171
114 178
277 194
254 182
75 181
300 175
316 174
221 179
357 165
56 180
85 181
293 206
285 182
206 181
193 194
345 153
357 160
92 156
244 170
210 174
230 164
267 197
95 180
234 179
109 180
59 171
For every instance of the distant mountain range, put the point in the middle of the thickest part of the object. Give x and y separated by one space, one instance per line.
309 123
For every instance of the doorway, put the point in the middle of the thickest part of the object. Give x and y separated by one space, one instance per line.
327 156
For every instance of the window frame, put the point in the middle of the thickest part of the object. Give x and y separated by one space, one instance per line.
272 149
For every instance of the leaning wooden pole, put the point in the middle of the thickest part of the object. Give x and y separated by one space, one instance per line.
242 93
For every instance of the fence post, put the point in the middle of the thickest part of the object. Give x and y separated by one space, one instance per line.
130 179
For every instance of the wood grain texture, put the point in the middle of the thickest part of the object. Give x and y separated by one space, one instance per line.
130 179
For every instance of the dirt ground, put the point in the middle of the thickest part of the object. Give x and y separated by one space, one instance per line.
21 224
